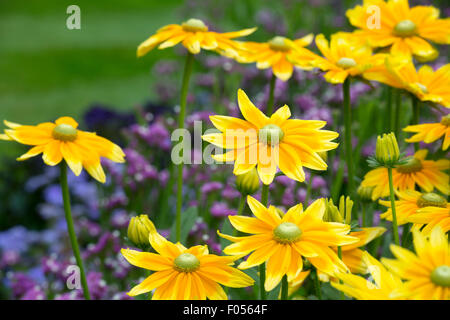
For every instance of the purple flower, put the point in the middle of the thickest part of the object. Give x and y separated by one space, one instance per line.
221 210
211 187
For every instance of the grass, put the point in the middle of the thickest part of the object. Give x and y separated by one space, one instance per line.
47 70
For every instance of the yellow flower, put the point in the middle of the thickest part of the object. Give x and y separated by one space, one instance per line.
62 140
427 174
352 255
427 272
426 84
409 203
436 215
381 288
194 35
342 58
184 274
429 132
405 30
283 241
276 53
270 142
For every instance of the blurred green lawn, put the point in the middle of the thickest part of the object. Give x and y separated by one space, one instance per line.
47 70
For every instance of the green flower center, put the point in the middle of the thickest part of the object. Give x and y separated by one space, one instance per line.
194 25
64 132
405 28
287 232
412 165
186 262
279 44
271 134
431 200
445 121
441 276
346 63
422 87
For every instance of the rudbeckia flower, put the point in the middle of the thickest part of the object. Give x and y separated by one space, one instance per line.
62 140
282 242
271 142
431 216
405 30
426 84
410 202
379 286
430 132
427 272
342 58
184 274
276 53
427 174
194 35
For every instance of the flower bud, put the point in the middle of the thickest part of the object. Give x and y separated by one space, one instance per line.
387 152
343 214
139 229
248 183
365 193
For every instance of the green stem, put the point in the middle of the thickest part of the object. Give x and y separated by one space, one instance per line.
348 136
262 266
71 229
317 285
363 215
270 102
398 103
389 111
406 230
284 288
393 209
415 118
184 91
340 281
240 210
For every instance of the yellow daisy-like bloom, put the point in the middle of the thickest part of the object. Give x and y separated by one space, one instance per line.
284 241
430 132
271 142
409 203
194 35
184 274
405 30
431 216
276 53
426 84
427 174
427 272
62 140
342 58
381 288
352 255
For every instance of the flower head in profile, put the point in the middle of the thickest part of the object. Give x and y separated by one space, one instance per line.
410 202
427 271
430 132
342 58
437 214
270 143
425 83
194 35
416 171
63 141
282 242
276 54
405 30
184 274
379 286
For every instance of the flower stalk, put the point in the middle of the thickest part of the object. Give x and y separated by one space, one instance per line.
348 136
181 118
71 229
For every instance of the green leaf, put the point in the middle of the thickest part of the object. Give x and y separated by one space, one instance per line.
188 219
